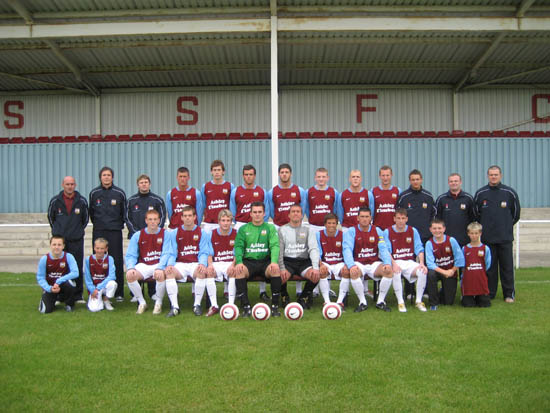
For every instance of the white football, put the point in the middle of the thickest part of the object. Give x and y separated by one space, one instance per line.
332 311
294 311
261 312
229 312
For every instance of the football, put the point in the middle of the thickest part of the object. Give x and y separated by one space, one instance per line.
294 311
332 311
229 312
261 312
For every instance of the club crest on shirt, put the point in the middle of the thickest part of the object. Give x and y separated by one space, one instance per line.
327 197
59 210
302 235
150 208
371 239
503 204
394 196
187 197
105 265
77 210
447 249
62 264
408 240
446 206
136 207
480 253
293 194
113 202
159 240
256 194
195 237
362 199
408 205
232 242
484 202
263 232
224 191
98 201
424 205
338 244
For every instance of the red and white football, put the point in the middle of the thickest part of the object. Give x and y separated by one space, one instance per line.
261 312
332 311
229 312
294 311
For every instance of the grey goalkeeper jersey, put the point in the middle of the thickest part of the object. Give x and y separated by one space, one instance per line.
298 242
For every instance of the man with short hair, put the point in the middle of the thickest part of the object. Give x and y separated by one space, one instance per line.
282 196
215 195
188 258
385 199
498 210
181 196
108 213
298 255
320 200
68 217
256 255
456 208
352 199
141 202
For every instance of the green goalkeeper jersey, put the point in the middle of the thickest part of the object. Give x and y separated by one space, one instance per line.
257 242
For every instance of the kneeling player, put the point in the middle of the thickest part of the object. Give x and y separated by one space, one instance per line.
405 247
256 255
332 264
146 257
55 274
221 259
99 274
443 258
365 254
475 286
188 258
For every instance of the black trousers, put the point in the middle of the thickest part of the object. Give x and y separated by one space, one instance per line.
76 248
502 261
476 301
114 238
68 292
448 286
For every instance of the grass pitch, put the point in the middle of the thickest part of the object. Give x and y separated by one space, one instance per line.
454 359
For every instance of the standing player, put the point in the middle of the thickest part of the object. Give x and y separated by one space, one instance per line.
456 208
385 199
405 246
141 202
443 259
68 217
497 208
320 200
147 257
55 274
215 195
352 199
284 195
330 243
99 272
188 258
298 255
181 196
365 254
257 254
107 213
240 203
475 288
221 259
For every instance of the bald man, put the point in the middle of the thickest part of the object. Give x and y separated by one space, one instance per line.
68 217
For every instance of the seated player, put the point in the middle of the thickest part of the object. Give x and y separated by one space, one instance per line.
146 257
256 255
443 258
298 255
188 258
405 247
221 262
365 254
55 274
330 245
99 275
477 256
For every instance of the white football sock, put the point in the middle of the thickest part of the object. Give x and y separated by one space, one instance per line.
211 289
200 284
365 285
323 287
135 288
193 288
172 291
262 287
357 285
420 285
385 284
232 291
343 291
298 288
398 287
161 291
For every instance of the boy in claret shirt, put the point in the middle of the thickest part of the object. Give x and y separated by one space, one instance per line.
100 276
474 284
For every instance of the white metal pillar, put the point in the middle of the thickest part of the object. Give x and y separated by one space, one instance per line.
274 97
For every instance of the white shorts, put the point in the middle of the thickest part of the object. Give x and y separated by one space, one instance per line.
407 269
209 227
145 270
369 269
221 270
335 270
186 269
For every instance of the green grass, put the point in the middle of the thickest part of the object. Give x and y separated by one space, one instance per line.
455 359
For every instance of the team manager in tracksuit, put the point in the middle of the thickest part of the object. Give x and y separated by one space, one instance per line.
68 217
497 209
107 213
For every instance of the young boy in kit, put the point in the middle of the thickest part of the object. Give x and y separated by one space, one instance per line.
100 276
443 258
474 283
56 273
